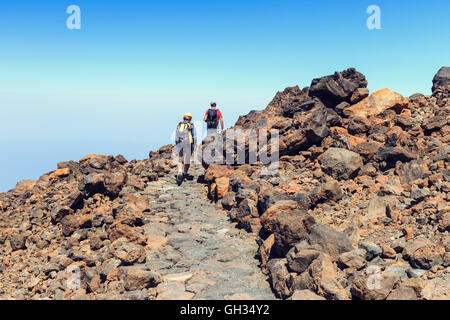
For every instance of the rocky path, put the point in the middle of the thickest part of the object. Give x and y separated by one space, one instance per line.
199 253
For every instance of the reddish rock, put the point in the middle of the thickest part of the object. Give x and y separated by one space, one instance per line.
377 103
269 217
139 279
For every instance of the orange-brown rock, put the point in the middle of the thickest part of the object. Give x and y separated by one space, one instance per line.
377 103
268 218
215 171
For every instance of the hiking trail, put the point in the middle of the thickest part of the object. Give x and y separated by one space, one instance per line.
203 254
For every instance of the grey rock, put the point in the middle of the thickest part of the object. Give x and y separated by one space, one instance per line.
415 273
372 250
329 240
341 163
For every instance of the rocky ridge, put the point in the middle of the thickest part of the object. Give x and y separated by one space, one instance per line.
361 195
358 210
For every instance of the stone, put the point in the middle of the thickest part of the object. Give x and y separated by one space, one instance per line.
316 128
415 273
222 185
378 208
328 191
341 163
129 253
229 200
437 288
109 184
305 295
290 228
173 291
388 252
377 103
329 240
392 154
270 216
321 278
69 224
300 261
358 95
215 171
420 194
293 106
303 200
265 251
372 250
441 83
18 242
267 197
403 293
353 259
59 212
427 257
59 173
412 171
371 288
279 275
138 279
337 88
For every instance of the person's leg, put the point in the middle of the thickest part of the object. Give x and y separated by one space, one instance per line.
180 161
187 162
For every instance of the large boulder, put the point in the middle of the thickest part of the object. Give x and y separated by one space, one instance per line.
300 260
298 104
289 228
216 171
279 275
391 154
107 183
337 88
137 278
341 163
321 278
428 257
377 103
129 253
268 197
270 215
329 240
441 83
317 128
328 191
376 286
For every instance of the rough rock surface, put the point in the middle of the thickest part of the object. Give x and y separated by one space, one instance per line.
358 209
148 240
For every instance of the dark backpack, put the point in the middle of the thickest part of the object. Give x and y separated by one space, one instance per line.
211 119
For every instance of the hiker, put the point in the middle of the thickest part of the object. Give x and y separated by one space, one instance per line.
185 142
212 118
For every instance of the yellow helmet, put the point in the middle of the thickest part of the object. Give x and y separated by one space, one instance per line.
187 115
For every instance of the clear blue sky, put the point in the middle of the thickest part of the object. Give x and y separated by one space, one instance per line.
121 83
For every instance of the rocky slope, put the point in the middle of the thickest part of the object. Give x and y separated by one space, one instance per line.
360 206
358 210
105 228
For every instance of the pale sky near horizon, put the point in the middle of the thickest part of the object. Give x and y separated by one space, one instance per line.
120 84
